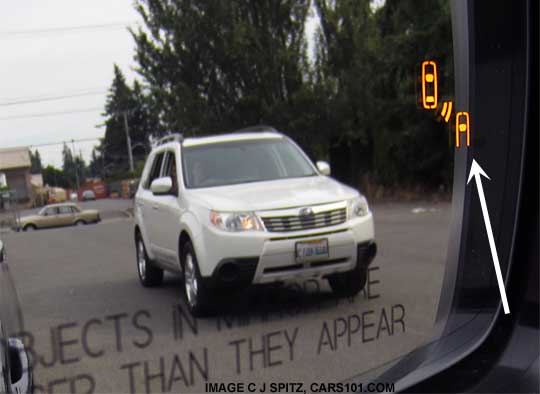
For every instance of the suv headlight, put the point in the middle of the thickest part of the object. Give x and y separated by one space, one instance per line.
358 207
236 221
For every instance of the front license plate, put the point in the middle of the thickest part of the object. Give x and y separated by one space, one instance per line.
314 250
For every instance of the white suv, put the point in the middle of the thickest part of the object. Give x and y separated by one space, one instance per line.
247 208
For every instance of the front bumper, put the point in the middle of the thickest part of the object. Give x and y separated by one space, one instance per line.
242 272
241 259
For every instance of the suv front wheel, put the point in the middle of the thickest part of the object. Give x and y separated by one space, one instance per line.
149 275
195 289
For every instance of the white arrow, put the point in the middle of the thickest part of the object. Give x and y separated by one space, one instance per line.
477 172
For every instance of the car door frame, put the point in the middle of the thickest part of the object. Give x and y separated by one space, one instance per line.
143 206
166 211
44 221
65 219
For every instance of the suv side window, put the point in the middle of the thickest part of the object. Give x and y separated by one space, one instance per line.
154 172
169 169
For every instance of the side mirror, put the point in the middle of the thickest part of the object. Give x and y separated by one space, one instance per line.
161 186
323 167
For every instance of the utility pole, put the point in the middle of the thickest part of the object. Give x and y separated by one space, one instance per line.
75 164
128 139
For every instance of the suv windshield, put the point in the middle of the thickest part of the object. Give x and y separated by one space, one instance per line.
236 162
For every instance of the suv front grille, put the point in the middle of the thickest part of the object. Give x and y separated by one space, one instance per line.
305 222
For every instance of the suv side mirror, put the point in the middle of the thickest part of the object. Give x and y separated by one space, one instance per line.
161 185
323 167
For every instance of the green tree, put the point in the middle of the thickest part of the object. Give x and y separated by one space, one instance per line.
346 67
35 160
142 121
114 145
54 177
69 166
217 66
95 167
80 167
73 167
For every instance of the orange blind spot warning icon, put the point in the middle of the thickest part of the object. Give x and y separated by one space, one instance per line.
462 126
429 85
446 111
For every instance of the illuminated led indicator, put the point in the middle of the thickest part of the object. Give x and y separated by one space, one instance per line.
446 111
429 85
463 126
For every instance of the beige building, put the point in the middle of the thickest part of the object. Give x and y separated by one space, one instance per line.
15 171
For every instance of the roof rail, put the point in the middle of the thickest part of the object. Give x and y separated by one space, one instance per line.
169 138
256 128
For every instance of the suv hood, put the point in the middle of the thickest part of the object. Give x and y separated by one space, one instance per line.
278 194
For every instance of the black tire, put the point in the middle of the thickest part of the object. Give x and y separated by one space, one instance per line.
80 223
30 227
350 283
149 274
198 298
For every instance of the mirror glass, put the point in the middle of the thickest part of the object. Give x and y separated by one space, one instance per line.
316 284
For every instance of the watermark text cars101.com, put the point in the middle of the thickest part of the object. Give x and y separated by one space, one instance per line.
298 387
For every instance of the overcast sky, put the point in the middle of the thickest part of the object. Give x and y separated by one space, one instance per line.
61 48
39 61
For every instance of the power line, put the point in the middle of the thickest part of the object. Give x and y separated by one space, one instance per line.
69 112
51 98
46 114
54 94
79 28
59 143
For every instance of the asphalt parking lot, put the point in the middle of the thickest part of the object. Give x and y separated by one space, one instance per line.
92 328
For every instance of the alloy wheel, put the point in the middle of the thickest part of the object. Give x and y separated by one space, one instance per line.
141 260
190 280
